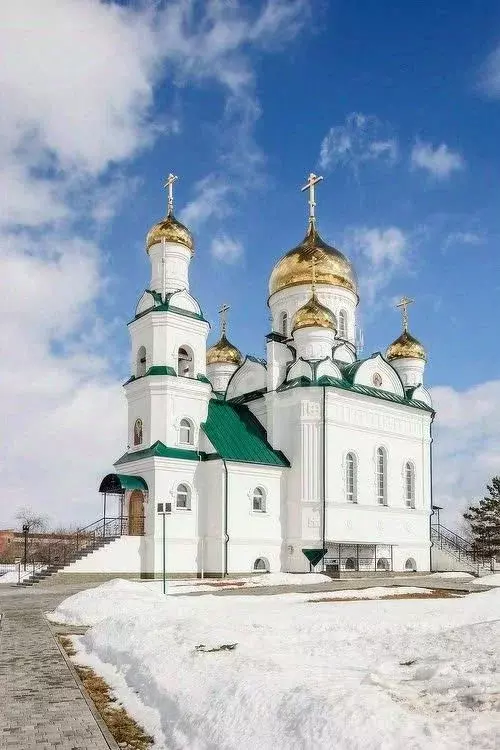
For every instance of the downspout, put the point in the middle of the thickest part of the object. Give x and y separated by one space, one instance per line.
226 535
323 477
432 499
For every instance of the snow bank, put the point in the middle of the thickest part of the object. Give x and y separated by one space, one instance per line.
451 574
492 580
376 592
370 675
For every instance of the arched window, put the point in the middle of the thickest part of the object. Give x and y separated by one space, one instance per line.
183 497
261 564
284 323
138 432
350 564
141 362
409 484
342 324
382 563
185 363
410 564
351 478
186 432
259 500
381 476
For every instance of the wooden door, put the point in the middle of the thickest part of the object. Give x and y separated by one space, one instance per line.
136 514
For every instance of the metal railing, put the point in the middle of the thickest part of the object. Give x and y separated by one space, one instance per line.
463 550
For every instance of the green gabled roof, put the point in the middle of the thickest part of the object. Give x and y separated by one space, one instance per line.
237 435
160 450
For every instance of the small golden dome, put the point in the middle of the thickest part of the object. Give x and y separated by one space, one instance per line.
294 268
223 352
406 346
172 231
314 315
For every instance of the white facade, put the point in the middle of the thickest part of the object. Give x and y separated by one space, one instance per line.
312 450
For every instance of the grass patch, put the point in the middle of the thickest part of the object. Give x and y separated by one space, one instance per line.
435 594
127 733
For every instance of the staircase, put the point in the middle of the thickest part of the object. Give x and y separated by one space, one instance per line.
82 543
451 552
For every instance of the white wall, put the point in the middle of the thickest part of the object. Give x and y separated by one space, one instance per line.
122 555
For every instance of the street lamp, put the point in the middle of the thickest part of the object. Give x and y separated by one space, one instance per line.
164 509
26 530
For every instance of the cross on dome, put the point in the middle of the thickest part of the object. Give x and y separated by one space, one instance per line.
169 185
312 180
403 304
223 318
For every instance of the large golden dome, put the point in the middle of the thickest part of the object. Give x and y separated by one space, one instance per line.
314 315
294 268
406 346
223 352
171 230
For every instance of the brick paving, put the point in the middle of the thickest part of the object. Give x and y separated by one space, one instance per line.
41 706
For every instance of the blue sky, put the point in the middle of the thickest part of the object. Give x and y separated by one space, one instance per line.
397 105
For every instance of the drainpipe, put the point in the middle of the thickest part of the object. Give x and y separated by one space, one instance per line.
432 500
323 477
226 535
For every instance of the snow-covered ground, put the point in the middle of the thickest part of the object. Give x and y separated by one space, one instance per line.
187 585
492 580
362 675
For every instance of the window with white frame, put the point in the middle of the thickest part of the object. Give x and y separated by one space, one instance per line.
186 432
185 362
183 497
141 362
259 500
284 323
410 484
342 324
381 476
351 478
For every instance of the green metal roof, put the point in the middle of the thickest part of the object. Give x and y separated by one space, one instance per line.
160 450
237 435
118 483
160 306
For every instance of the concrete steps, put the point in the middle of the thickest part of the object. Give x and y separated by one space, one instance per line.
51 570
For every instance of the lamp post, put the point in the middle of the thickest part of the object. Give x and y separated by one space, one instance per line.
26 530
164 509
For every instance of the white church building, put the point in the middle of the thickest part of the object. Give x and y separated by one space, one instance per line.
312 458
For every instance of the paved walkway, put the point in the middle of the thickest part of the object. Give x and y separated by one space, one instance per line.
41 706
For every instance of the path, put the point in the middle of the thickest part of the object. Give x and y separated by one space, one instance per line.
41 706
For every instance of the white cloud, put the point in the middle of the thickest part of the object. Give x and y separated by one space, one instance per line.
464 238
382 252
489 78
211 201
226 249
362 138
466 445
440 162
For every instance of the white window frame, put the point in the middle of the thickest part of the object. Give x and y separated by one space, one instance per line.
351 477
189 426
260 493
187 507
409 484
381 475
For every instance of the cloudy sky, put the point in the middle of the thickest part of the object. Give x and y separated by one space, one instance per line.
398 108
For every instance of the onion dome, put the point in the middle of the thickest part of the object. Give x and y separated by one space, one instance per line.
170 230
294 268
314 315
223 352
406 347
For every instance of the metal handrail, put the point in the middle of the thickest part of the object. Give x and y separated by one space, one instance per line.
462 547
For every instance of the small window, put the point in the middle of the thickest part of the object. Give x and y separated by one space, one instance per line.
409 484
351 478
342 324
259 500
261 564
186 432
381 476
382 563
185 363
183 498
411 565
138 432
141 362
284 323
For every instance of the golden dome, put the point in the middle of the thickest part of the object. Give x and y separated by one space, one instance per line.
406 346
172 231
314 315
295 267
223 352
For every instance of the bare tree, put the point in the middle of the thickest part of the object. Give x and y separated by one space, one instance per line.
27 516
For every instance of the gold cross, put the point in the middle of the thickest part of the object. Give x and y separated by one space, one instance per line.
312 180
403 304
223 318
170 185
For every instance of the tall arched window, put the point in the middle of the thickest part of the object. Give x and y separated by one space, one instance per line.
138 432
186 432
284 323
342 324
409 484
351 478
183 497
141 362
381 476
259 500
185 362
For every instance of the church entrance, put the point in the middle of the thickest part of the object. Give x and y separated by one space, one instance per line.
136 513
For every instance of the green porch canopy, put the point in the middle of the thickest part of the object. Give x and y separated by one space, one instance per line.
314 555
116 484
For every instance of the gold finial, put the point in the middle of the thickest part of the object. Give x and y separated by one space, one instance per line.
403 304
169 184
223 319
312 180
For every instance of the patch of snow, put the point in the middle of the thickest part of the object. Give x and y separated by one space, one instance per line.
369 675
492 580
13 575
451 574
376 592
